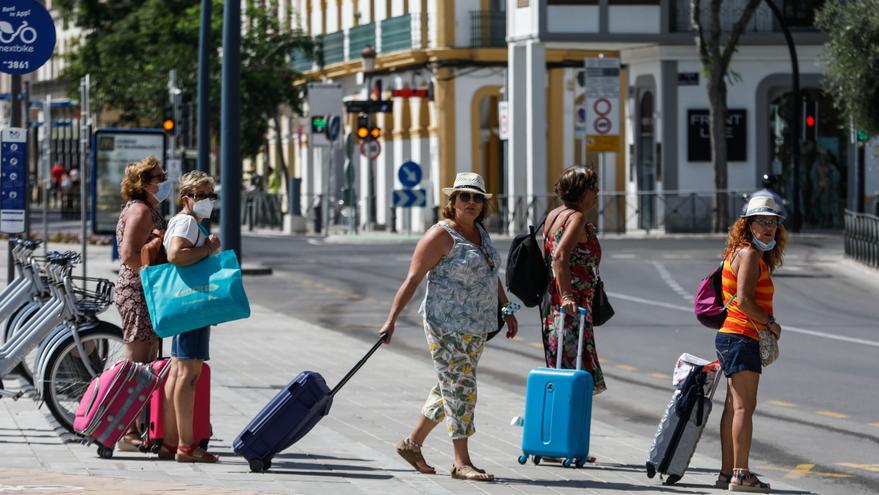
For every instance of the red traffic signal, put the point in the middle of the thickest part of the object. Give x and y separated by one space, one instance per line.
810 121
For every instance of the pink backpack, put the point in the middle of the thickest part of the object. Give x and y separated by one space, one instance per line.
708 305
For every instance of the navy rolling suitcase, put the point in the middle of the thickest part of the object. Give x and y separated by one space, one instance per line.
289 416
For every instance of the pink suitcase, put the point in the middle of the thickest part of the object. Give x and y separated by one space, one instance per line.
201 421
113 401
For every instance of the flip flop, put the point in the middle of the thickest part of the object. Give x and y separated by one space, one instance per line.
470 473
411 453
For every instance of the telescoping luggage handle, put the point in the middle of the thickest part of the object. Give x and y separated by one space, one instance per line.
357 366
560 329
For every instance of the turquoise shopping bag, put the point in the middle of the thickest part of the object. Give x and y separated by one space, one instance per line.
183 298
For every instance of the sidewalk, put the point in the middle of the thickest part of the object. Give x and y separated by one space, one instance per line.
350 452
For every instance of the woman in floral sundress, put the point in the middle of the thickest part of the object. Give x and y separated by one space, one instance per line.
572 248
460 308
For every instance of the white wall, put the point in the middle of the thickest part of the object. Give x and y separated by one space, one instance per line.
572 18
521 21
465 88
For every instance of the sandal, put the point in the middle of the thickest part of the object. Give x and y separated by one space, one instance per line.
411 453
130 442
167 452
470 473
745 481
723 480
187 454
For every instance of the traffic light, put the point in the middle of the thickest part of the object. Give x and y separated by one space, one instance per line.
168 124
810 120
366 131
863 136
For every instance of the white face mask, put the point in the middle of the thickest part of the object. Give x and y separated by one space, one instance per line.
163 192
203 208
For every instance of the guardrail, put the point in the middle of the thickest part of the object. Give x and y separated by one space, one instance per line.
862 237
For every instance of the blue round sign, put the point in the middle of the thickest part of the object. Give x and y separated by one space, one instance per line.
27 36
334 126
409 174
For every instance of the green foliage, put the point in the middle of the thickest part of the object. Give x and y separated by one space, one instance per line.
852 59
133 44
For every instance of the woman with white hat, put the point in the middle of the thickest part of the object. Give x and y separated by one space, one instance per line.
755 248
460 308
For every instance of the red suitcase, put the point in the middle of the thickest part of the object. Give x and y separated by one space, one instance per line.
201 420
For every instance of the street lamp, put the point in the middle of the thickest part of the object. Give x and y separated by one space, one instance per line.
367 57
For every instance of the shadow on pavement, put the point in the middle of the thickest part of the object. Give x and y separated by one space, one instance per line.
600 485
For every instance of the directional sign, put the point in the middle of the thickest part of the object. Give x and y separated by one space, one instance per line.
27 36
409 174
369 106
334 125
370 149
407 198
13 179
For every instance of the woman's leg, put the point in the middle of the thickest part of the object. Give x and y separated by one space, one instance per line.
743 388
141 351
170 420
726 432
188 371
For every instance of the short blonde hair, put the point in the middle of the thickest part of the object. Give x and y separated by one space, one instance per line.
137 177
192 181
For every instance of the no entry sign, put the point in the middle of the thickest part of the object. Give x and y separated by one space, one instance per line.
603 103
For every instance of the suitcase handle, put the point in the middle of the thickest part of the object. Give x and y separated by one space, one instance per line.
357 366
560 329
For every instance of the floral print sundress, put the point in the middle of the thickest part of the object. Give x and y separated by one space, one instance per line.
584 262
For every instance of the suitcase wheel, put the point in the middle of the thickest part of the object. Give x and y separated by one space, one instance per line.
204 443
567 462
523 459
672 479
580 462
536 460
651 470
260 465
104 452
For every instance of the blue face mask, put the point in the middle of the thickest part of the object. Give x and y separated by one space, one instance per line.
762 246
163 192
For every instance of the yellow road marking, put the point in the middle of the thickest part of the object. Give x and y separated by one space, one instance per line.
661 376
799 471
519 339
536 345
626 367
874 468
832 414
781 403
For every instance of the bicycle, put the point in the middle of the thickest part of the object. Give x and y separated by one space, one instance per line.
72 344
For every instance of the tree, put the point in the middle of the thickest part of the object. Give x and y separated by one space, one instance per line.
716 49
131 46
852 59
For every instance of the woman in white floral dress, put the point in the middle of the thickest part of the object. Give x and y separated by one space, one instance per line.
459 310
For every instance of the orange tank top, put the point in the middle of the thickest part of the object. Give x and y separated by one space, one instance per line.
736 319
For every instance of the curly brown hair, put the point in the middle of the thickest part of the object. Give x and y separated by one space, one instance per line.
448 210
740 236
137 177
573 184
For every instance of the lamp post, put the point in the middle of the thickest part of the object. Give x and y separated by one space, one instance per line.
367 58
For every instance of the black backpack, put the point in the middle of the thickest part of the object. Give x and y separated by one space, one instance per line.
527 273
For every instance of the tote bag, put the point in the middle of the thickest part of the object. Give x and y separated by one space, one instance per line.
183 298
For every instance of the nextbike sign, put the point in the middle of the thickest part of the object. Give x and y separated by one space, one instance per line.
27 36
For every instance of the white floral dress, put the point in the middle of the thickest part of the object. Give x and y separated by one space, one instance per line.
459 309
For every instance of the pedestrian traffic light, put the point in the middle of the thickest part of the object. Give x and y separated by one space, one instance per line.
863 136
810 119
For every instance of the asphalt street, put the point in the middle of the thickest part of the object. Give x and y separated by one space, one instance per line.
818 413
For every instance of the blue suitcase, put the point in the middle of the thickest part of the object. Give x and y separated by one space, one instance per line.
289 416
558 410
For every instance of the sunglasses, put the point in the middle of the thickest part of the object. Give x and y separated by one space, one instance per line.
159 177
466 197
767 223
201 196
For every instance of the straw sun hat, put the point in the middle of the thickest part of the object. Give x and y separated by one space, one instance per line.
763 205
468 181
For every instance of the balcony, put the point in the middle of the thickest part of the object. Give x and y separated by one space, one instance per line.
799 15
488 29
301 61
397 33
333 48
358 38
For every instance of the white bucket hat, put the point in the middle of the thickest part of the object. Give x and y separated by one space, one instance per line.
468 181
762 205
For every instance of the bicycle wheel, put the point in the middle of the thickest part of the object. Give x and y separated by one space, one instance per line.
66 376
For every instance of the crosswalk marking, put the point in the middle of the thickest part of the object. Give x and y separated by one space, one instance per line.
781 403
832 414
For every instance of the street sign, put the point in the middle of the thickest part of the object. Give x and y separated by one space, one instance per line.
407 198
174 169
369 106
13 179
370 149
324 98
27 36
334 126
602 108
409 174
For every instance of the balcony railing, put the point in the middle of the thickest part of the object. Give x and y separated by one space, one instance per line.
397 33
488 29
302 61
334 48
730 12
862 237
358 38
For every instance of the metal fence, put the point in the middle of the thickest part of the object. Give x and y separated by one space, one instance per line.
263 210
862 237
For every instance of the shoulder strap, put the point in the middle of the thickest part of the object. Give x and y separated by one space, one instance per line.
556 217
733 298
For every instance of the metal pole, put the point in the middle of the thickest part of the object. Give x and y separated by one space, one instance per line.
47 156
84 86
230 129
204 64
15 101
325 202
600 194
796 211
173 96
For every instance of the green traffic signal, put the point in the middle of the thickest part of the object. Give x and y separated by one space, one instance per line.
863 136
318 124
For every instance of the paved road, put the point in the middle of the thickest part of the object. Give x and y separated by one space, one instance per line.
818 418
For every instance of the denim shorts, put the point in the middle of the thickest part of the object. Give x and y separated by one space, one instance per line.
193 344
737 353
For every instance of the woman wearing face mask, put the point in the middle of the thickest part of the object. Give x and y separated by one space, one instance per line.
144 187
754 251
187 243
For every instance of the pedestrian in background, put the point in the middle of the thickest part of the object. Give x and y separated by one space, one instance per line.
754 250
187 243
571 247
144 187
460 307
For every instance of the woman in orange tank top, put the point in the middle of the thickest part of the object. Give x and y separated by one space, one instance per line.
755 248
